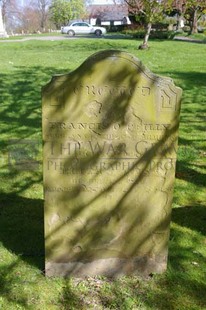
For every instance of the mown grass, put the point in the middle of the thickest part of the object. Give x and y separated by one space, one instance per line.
24 69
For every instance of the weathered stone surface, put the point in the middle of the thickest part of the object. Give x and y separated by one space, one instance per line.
110 142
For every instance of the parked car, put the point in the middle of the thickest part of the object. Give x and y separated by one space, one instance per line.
82 28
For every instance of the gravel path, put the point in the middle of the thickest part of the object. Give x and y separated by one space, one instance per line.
46 38
187 39
65 37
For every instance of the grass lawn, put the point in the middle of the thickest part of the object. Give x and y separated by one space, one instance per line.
25 67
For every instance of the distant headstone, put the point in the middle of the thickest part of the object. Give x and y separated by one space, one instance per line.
110 142
3 33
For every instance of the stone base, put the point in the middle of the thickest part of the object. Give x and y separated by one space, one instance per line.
110 267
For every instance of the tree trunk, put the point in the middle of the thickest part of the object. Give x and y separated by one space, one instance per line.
194 22
144 45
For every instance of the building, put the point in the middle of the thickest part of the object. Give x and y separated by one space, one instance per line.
108 15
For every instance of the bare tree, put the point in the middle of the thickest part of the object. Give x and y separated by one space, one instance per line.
10 14
42 7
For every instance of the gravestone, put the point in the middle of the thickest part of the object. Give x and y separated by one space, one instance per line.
3 33
110 142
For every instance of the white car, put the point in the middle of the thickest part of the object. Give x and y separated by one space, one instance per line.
82 28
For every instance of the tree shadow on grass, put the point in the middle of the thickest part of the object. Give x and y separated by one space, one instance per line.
20 97
21 218
192 217
191 151
22 227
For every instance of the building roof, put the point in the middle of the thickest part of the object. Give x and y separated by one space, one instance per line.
108 12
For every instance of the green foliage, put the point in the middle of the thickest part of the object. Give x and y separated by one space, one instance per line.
149 11
62 11
28 66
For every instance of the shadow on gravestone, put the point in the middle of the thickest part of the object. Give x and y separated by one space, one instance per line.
110 142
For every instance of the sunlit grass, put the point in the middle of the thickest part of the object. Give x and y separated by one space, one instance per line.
25 68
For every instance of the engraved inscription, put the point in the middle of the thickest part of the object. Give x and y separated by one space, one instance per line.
169 100
109 90
110 150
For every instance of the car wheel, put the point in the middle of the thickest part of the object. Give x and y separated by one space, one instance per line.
98 33
71 33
